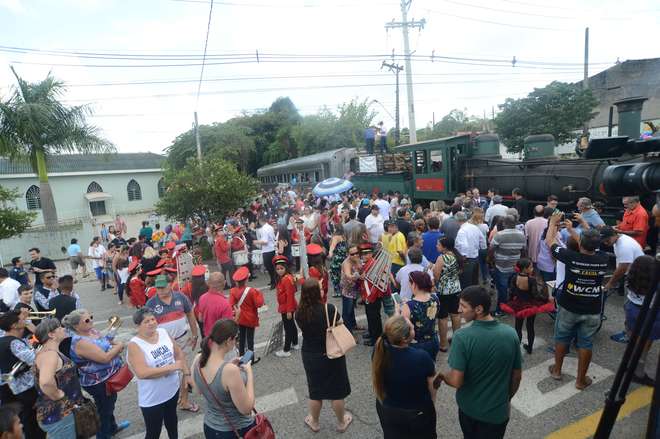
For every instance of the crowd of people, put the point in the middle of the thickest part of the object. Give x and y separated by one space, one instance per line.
469 264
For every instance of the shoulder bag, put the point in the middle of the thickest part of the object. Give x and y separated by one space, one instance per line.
338 339
237 307
119 380
86 418
262 430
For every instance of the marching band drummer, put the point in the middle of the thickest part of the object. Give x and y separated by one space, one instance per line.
317 268
238 246
371 295
14 349
296 233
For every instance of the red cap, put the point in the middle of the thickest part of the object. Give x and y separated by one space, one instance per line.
160 263
170 245
314 249
280 259
199 270
241 274
366 247
155 272
133 265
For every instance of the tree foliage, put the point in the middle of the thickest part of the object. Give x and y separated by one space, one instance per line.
558 109
13 221
208 190
275 134
35 124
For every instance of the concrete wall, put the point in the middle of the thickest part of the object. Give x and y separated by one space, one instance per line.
69 191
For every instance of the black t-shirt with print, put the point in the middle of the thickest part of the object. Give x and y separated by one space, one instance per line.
582 289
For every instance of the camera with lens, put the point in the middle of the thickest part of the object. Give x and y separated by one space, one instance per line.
632 178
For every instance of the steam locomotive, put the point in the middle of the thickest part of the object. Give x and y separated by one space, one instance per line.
605 170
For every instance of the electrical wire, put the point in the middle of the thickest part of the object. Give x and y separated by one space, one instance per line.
206 43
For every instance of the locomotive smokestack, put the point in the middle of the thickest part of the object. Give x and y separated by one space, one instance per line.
630 116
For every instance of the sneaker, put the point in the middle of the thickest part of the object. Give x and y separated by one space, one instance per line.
621 337
282 354
122 425
295 347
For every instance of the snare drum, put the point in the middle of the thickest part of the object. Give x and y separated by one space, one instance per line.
295 250
240 258
257 257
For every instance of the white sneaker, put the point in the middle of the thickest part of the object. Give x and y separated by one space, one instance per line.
295 346
282 354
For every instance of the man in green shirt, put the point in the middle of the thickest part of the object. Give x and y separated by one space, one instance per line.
485 367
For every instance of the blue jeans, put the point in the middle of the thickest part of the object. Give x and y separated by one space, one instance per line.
348 312
569 326
501 280
210 433
65 428
105 406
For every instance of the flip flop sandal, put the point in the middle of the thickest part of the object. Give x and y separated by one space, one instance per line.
552 373
308 423
348 418
192 407
587 382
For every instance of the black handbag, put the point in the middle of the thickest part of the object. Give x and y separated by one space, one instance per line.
86 418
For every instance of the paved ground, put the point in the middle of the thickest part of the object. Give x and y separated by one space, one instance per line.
541 408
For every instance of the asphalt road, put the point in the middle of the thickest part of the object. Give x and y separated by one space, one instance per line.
543 406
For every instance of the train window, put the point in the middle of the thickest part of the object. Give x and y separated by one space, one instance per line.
316 175
436 160
420 162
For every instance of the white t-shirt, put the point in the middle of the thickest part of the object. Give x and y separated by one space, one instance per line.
97 252
403 279
374 226
266 233
9 292
383 208
626 250
154 391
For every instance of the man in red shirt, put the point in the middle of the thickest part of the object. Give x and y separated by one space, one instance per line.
222 249
213 305
635 220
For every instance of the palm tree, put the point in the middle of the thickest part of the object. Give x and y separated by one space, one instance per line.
34 124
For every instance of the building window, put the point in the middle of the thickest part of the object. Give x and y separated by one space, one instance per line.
33 198
134 192
97 208
94 187
161 188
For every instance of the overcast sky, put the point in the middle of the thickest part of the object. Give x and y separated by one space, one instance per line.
308 51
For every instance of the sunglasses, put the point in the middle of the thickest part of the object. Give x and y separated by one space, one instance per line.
354 253
89 319
49 277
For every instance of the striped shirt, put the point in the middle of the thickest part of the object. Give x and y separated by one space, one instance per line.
508 244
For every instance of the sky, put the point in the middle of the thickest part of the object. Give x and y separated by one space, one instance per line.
124 58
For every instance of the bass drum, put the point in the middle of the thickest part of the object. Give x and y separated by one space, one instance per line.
240 258
257 257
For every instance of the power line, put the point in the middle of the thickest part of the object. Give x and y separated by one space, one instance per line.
206 43
319 76
304 87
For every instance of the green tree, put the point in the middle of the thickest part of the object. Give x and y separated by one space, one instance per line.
34 124
229 139
209 191
455 121
13 221
558 109
353 118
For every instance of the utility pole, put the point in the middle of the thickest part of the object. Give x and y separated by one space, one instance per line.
395 68
585 85
404 24
199 144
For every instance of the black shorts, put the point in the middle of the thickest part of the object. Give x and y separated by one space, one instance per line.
448 305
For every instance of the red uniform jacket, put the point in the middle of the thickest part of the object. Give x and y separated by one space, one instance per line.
151 292
186 290
221 247
371 294
249 315
136 288
323 279
295 235
237 243
286 294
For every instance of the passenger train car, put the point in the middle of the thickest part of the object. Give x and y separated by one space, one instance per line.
309 169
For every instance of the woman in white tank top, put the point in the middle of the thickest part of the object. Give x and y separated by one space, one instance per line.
156 362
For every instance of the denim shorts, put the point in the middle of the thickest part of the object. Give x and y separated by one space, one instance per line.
569 326
65 428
